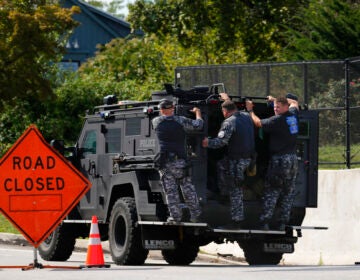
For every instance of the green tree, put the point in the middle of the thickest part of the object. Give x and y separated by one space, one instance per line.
134 65
262 26
58 118
249 30
130 69
189 23
113 7
96 3
330 30
32 37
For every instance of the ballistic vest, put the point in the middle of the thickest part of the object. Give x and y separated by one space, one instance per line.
241 143
171 137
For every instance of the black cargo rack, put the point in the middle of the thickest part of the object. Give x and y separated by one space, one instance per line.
124 106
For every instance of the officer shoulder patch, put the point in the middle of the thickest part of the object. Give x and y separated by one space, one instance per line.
221 134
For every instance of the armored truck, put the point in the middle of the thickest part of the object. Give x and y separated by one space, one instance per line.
116 150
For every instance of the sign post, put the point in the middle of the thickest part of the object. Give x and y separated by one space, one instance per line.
38 186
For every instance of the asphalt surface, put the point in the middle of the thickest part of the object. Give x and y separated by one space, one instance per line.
82 244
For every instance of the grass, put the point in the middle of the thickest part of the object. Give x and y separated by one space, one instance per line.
329 155
6 226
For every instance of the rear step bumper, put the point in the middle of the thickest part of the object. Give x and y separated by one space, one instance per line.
151 223
218 230
308 227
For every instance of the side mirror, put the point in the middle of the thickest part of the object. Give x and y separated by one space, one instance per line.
58 145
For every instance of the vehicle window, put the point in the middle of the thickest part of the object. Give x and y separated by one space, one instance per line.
304 128
112 140
89 143
133 126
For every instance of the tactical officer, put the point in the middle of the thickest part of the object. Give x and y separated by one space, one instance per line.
237 132
170 130
282 169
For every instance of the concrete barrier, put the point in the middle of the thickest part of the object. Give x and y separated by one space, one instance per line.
338 209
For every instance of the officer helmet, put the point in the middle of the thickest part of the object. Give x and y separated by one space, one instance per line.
165 104
291 96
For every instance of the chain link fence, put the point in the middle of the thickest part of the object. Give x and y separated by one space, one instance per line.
332 87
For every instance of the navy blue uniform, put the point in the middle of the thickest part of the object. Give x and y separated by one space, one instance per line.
237 132
171 131
283 165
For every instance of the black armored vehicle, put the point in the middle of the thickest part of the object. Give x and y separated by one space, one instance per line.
116 151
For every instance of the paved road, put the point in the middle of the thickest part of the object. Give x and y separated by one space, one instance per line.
157 269
204 268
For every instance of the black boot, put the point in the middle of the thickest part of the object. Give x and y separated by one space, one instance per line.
281 227
263 225
185 217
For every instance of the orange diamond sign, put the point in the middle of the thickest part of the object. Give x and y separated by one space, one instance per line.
38 186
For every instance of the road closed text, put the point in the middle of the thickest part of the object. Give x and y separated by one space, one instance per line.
33 183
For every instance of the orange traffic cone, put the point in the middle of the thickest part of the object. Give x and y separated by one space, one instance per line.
95 256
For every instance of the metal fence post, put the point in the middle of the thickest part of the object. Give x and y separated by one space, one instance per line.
347 110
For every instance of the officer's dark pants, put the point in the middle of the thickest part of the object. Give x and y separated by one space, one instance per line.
236 175
172 175
279 187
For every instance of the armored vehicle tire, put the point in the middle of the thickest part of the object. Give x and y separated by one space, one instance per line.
125 235
58 246
183 255
255 255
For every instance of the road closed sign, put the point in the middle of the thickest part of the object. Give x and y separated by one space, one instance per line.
38 186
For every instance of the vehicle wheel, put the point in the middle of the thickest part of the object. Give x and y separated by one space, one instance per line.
183 255
255 255
58 246
124 234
